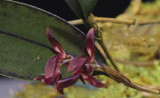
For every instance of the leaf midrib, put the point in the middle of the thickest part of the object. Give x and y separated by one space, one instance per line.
26 40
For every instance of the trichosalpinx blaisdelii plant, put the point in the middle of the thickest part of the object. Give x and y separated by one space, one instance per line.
15 62
83 65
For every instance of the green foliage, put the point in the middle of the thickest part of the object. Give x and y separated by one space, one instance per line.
82 8
139 42
24 45
143 75
37 91
112 91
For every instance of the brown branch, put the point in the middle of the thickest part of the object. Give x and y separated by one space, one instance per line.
114 20
138 63
76 22
120 78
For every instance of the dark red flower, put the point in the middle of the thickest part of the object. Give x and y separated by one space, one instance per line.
52 71
83 67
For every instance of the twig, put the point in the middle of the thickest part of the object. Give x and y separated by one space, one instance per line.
114 20
138 63
76 22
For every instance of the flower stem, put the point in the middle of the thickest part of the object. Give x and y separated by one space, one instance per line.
101 42
120 78
98 36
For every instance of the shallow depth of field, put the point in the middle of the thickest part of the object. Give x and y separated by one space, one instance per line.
135 48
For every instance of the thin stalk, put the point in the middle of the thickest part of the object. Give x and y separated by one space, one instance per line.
101 42
120 78
114 20
76 22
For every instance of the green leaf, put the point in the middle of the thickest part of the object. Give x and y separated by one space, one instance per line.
82 8
87 6
74 5
24 47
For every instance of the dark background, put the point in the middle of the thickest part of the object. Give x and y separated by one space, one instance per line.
111 8
106 8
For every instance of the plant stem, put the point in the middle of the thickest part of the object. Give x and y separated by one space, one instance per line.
114 20
76 22
98 36
120 78
101 42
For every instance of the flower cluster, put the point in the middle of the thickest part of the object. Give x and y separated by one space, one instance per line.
81 65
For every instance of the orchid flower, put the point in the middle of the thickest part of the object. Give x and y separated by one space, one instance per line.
52 71
83 66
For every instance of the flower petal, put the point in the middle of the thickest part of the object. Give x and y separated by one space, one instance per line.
57 75
63 83
52 80
39 78
52 70
60 90
48 81
51 66
56 45
45 80
77 63
93 81
90 44
88 69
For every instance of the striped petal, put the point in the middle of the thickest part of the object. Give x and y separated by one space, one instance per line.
77 63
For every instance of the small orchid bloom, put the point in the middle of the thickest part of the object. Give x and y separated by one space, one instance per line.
83 66
52 71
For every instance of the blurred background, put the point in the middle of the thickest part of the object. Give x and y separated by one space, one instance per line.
104 8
